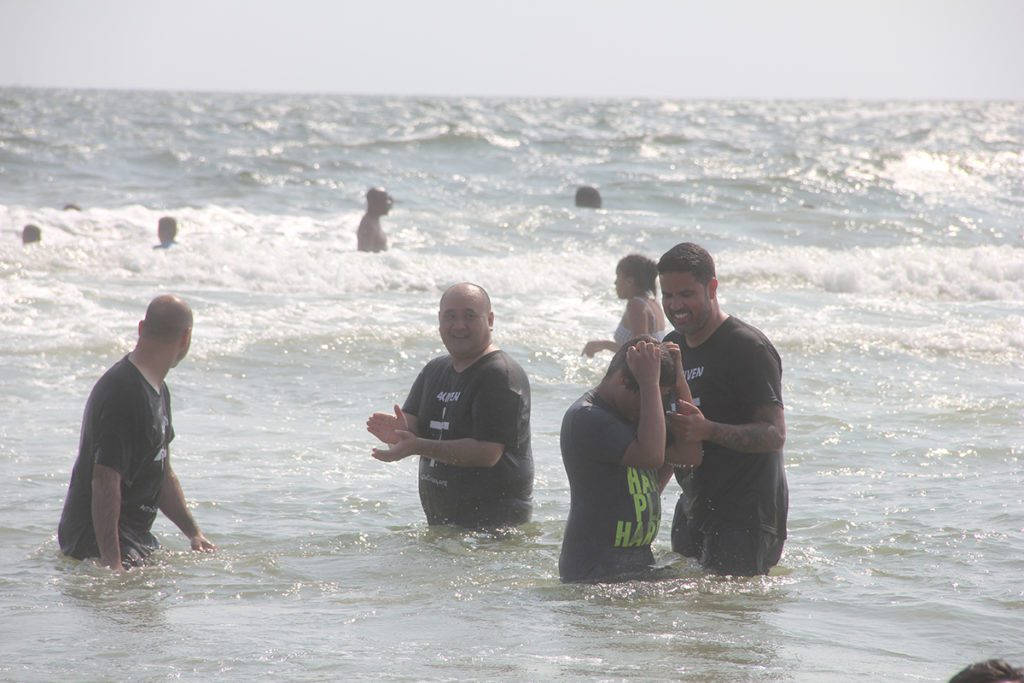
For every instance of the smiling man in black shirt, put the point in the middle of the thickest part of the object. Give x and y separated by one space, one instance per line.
732 512
468 418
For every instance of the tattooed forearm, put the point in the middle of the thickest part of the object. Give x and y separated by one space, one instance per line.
753 437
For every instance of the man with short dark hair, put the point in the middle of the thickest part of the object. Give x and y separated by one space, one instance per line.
123 473
732 512
468 418
614 451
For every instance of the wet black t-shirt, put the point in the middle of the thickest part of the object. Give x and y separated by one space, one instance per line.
127 427
730 375
488 401
614 509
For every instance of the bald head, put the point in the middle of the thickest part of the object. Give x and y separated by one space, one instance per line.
465 320
167 318
470 291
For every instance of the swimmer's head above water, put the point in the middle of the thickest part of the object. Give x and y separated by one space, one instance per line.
588 197
378 201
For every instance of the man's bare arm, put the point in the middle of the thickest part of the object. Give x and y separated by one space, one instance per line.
463 452
172 503
106 514
458 452
767 431
648 448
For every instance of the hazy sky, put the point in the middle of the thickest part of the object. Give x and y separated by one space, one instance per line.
963 49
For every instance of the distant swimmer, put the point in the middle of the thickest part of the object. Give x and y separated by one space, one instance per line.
166 232
370 236
31 233
636 280
588 197
123 473
72 207
615 450
468 418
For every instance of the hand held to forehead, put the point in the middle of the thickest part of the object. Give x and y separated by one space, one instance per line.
644 360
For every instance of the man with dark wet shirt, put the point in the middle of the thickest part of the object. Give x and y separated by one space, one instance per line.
123 473
468 418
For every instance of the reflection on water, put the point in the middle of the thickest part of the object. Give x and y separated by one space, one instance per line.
136 601
698 627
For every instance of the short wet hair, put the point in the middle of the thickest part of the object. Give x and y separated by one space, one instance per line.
688 257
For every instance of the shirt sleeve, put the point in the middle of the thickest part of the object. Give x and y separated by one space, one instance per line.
414 399
599 436
167 411
113 438
497 408
763 372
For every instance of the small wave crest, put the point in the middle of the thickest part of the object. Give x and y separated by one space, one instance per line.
987 273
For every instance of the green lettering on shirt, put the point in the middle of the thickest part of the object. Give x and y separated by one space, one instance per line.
622 534
640 505
638 536
633 480
652 531
630 534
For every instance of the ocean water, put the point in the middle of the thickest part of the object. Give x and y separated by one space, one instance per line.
880 245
